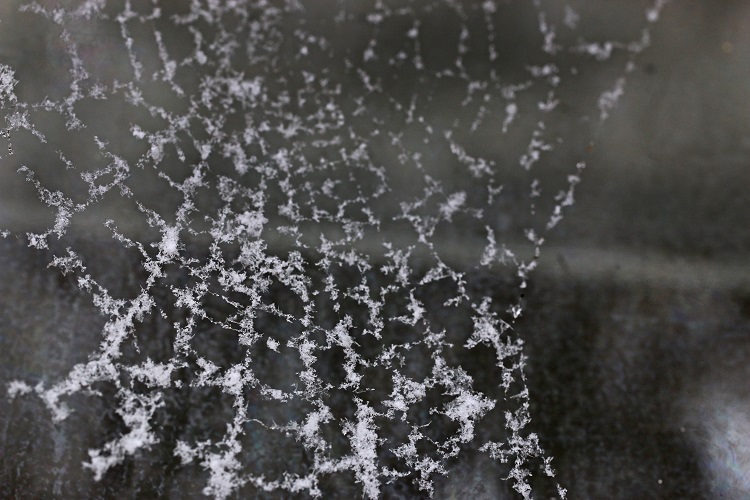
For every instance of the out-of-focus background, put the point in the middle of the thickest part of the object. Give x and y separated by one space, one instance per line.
637 323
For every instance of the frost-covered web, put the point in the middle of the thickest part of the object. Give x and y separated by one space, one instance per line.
303 184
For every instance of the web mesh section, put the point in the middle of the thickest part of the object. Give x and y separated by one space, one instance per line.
333 209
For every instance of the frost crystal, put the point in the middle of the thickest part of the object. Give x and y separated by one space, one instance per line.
296 182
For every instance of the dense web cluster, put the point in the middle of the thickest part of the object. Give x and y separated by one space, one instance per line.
297 181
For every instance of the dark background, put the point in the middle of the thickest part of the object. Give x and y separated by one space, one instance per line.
637 323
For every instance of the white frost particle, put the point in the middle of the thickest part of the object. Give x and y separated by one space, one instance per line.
153 374
653 13
272 344
252 223
363 439
17 387
170 242
452 205
511 110
600 51
232 380
609 98
157 151
137 132
466 409
7 84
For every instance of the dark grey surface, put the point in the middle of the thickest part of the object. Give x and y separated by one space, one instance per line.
637 324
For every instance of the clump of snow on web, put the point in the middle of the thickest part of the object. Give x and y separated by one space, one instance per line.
287 181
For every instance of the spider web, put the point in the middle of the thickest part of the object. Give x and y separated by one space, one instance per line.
311 191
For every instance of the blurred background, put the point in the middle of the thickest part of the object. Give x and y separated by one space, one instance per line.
637 322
